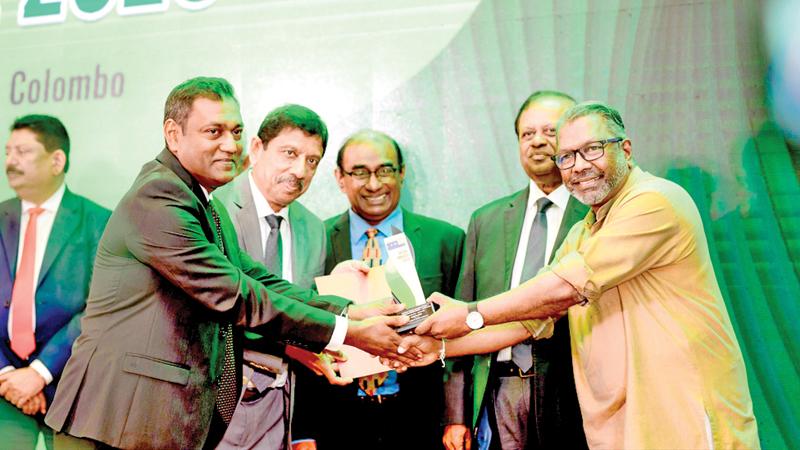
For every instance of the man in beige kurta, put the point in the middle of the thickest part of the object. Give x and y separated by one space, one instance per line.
655 358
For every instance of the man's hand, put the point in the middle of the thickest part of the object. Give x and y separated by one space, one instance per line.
429 347
382 307
456 437
449 322
351 266
37 404
20 385
325 363
377 336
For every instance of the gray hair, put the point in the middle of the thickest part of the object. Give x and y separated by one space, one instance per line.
611 117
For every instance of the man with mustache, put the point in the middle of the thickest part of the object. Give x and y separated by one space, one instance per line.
48 239
390 410
158 360
526 392
275 228
656 361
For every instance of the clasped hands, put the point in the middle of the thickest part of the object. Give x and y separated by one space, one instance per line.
372 327
23 388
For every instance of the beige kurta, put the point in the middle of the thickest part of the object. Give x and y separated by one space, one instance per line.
655 358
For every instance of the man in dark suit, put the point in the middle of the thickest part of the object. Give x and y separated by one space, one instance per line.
528 390
48 239
158 360
284 157
398 411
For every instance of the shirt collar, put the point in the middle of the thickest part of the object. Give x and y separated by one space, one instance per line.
205 193
559 196
262 205
359 226
49 205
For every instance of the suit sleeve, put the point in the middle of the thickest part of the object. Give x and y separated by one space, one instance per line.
276 284
457 372
168 236
57 350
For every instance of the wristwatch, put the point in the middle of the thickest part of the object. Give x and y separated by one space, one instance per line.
474 318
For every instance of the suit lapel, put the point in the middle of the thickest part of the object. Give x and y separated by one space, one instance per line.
575 212
65 224
514 215
9 233
299 226
413 230
248 220
340 239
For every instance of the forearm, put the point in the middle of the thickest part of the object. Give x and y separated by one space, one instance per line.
545 295
487 340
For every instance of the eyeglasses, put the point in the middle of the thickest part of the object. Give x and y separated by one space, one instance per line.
382 173
589 152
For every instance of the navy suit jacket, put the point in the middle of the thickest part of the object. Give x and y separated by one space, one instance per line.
63 279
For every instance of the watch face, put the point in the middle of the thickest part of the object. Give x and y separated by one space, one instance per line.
474 320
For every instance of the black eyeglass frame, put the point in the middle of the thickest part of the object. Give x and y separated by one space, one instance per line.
370 173
581 150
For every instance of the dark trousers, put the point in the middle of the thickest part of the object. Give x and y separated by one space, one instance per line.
336 418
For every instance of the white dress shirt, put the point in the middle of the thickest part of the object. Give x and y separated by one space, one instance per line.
262 211
555 213
44 225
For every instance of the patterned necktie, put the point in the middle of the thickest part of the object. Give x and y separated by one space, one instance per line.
534 260
227 394
272 252
372 257
23 342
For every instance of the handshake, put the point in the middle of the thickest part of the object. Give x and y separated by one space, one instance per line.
401 336
405 338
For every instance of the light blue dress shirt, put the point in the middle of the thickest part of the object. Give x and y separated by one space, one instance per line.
358 239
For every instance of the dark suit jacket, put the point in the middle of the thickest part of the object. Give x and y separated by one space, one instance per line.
63 279
491 248
145 369
437 247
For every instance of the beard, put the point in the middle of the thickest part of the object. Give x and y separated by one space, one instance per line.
613 176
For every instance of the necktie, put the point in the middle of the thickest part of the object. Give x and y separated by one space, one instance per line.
372 257
227 394
23 343
534 260
272 251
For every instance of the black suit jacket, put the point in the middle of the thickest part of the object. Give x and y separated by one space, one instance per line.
144 371
491 247
437 248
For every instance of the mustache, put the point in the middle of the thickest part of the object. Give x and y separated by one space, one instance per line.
13 170
584 174
291 179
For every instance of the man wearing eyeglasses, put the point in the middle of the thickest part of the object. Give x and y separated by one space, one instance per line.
656 361
390 410
525 392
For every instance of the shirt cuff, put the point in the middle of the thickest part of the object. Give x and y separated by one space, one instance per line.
572 268
540 328
339 333
40 368
6 369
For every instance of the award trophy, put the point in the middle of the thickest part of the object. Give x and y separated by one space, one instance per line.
402 278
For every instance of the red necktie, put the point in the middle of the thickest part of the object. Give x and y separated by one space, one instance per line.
22 341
